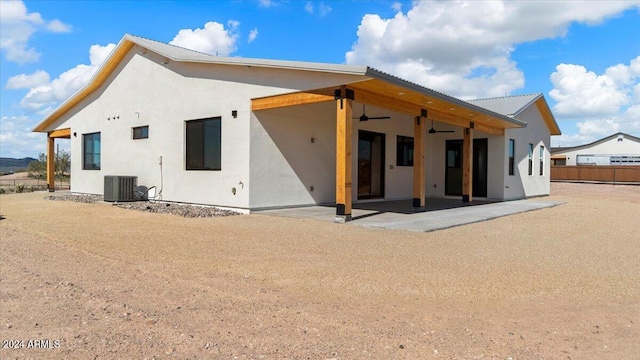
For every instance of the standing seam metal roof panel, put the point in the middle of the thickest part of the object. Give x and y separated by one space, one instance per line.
507 105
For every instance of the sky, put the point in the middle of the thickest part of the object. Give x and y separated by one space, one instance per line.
584 56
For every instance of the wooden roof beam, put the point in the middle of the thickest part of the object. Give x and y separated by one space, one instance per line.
292 99
62 133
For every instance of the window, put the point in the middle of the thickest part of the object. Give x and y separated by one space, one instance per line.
541 160
530 159
91 151
204 144
141 132
512 156
404 154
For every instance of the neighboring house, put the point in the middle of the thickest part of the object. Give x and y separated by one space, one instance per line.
253 134
617 149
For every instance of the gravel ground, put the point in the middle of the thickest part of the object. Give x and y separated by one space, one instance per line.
184 210
100 282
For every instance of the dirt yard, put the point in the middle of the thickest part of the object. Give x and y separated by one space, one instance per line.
93 281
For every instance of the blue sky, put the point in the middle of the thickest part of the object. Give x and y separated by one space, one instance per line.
584 56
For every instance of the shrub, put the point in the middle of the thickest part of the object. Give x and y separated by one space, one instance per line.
2 190
19 188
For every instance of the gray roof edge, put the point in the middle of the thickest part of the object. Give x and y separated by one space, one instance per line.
240 61
599 141
413 86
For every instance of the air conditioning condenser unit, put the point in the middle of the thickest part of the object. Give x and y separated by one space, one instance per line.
120 188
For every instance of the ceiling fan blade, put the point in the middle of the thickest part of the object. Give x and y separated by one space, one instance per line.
445 131
379 117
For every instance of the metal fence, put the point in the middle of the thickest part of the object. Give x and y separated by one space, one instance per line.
32 184
608 174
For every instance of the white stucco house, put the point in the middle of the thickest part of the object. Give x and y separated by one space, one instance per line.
616 149
254 134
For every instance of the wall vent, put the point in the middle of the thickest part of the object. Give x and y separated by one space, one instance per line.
120 188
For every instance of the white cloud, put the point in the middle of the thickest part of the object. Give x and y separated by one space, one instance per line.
17 140
213 39
58 26
48 95
17 25
267 3
308 7
397 6
580 93
605 103
464 48
253 34
323 9
24 81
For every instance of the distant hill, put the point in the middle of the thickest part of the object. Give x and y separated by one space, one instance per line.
8 165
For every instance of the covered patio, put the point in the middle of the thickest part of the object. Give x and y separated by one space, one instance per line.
394 94
439 213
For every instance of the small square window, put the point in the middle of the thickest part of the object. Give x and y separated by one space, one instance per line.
141 132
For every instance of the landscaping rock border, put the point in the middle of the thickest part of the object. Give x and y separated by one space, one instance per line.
184 210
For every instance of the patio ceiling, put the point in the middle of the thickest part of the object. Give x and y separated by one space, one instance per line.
402 99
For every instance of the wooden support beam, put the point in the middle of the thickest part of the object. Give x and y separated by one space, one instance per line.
419 186
51 163
467 165
299 98
343 156
62 133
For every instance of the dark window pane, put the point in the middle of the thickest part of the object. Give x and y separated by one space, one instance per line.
512 151
530 159
141 132
541 160
404 151
211 144
91 151
203 144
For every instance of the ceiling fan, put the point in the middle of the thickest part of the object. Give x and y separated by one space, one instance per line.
364 116
433 131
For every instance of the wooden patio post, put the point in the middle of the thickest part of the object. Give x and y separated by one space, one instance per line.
419 186
343 153
51 163
467 164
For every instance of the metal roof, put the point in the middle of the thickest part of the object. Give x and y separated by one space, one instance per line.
560 150
491 107
177 53
507 105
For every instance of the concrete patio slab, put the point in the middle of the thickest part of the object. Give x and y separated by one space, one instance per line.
440 213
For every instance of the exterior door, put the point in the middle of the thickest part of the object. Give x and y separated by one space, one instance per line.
453 170
370 165
480 154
